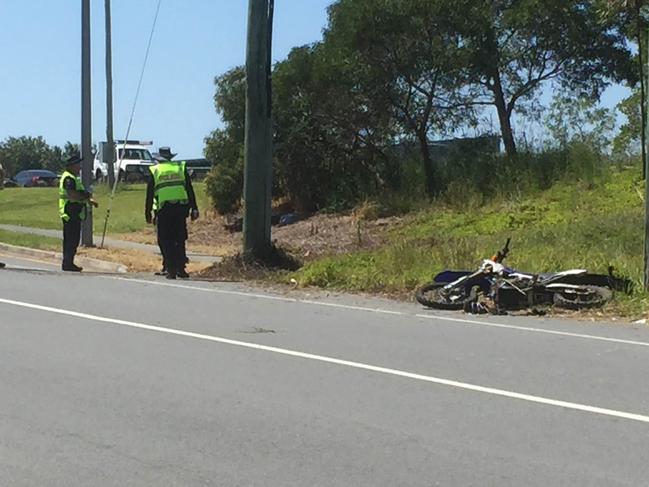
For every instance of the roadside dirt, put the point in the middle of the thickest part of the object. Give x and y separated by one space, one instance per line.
310 238
305 240
135 260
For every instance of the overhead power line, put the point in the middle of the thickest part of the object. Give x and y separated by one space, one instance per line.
130 121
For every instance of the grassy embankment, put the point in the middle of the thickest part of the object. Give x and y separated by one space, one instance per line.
31 241
571 225
37 207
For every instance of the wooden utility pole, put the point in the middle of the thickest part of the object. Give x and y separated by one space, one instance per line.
258 135
109 150
86 134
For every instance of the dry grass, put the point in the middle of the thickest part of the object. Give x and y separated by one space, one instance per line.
239 268
313 237
135 260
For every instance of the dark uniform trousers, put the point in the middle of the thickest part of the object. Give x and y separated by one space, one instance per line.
71 239
172 234
159 242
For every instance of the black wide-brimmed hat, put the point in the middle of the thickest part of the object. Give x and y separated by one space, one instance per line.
165 154
72 160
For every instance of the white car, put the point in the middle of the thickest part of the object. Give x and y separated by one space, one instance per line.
132 164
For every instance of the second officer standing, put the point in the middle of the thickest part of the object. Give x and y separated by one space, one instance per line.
171 187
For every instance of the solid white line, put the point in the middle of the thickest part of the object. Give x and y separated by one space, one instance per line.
537 330
398 313
346 363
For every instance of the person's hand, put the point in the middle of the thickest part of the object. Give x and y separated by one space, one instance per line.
194 214
147 217
94 203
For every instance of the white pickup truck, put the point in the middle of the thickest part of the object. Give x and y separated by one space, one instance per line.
134 156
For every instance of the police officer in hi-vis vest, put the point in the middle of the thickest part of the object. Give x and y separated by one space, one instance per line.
171 188
73 205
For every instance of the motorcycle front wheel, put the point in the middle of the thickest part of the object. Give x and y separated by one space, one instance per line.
582 297
434 295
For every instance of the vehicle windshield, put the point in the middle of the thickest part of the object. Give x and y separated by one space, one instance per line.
135 154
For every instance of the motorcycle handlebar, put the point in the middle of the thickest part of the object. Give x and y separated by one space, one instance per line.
500 256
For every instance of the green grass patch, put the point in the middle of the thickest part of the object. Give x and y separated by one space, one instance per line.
571 225
38 207
31 241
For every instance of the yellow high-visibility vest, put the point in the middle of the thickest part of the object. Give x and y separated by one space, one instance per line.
169 183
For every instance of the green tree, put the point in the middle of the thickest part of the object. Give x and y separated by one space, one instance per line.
330 148
410 61
20 153
627 14
72 149
520 44
224 146
628 142
582 120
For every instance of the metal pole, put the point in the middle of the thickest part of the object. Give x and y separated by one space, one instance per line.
258 135
86 135
109 153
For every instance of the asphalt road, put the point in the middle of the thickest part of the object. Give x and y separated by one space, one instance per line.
113 381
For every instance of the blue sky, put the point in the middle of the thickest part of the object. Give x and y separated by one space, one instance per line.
195 40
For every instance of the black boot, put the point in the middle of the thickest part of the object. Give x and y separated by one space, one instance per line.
71 268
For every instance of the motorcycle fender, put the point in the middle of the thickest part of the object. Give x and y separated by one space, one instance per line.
450 276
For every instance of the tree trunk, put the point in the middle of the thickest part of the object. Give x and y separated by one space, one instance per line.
504 115
429 170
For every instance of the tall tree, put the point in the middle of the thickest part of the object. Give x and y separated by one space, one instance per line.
20 153
224 146
580 120
329 144
628 142
520 44
628 15
410 61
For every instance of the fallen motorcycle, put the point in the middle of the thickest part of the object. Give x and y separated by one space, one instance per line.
497 289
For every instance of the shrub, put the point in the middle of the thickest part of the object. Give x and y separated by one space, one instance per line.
224 185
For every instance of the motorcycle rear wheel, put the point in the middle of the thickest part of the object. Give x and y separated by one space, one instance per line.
582 297
433 296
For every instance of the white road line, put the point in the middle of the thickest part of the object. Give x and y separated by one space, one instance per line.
398 313
357 365
537 330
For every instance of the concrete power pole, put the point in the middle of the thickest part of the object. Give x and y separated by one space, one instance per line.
644 12
258 135
646 183
109 150
86 135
